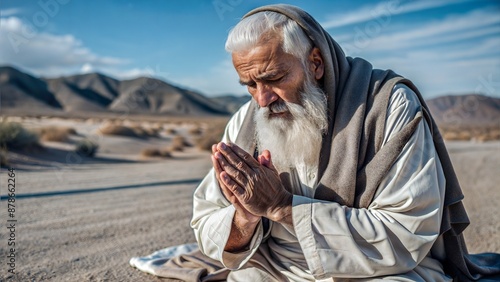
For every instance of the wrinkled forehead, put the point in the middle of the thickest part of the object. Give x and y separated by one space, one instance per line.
264 59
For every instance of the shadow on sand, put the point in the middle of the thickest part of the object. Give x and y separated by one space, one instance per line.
104 189
49 158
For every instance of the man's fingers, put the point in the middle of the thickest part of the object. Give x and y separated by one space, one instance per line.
228 194
240 163
265 159
234 187
244 155
217 169
237 175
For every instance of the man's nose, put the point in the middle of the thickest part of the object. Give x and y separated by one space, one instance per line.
265 95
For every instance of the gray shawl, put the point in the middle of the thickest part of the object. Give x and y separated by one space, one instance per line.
352 163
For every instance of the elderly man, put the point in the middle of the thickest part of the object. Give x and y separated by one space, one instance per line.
334 171
347 182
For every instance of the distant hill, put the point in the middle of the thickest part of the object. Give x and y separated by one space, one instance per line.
19 90
86 92
232 103
465 111
96 92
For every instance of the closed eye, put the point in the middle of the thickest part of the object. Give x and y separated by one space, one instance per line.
268 79
274 80
251 84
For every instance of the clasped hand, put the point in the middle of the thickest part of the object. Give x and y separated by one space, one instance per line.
252 186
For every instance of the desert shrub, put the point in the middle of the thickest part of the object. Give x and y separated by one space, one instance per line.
211 136
197 130
154 152
115 129
171 131
494 134
488 135
150 152
475 134
449 135
145 131
178 143
86 147
128 131
57 134
14 136
157 126
152 132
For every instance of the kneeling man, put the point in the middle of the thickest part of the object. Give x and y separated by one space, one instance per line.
334 171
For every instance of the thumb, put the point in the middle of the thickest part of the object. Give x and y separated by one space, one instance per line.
265 159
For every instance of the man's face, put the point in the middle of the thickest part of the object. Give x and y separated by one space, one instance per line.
271 76
292 111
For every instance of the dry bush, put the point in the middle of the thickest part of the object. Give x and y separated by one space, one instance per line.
154 152
157 126
464 135
121 130
196 130
56 134
150 152
471 134
14 136
178 143
92 121
488 135
456 135
129 129
148 131
495 134
86 148
481 138
171 131
211 136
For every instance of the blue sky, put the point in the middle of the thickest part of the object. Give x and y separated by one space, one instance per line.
444 46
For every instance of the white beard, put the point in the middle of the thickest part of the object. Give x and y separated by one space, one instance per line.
294 140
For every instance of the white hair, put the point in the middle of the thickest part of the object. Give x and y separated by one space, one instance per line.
250 30
295 141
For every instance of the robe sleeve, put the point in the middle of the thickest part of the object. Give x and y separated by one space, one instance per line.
395 233
213 213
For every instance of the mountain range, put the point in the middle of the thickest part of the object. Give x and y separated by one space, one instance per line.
95 92
466 111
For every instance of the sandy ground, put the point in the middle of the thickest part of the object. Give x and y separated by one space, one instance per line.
83 220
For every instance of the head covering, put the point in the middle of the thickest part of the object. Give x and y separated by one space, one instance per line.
357 98
352 160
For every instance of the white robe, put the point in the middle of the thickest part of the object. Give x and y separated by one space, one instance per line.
395 238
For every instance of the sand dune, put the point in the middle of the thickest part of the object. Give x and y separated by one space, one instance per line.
83 222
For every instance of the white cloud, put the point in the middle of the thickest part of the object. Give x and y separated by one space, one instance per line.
383 9
449 70
135 72
48 54
87 68
474 24
444 56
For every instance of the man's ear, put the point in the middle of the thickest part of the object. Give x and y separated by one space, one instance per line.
317 65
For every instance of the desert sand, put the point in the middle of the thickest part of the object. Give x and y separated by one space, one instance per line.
83 219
